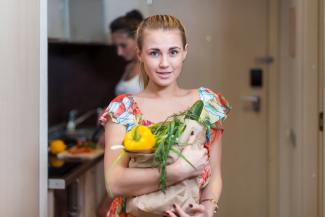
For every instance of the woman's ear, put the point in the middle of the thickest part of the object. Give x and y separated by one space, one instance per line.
185 52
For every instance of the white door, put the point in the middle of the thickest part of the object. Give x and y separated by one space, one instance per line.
227 40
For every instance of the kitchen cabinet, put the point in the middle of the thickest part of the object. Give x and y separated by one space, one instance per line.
77 193
77 20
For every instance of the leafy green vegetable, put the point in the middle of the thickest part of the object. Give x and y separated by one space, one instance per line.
195 111
167 134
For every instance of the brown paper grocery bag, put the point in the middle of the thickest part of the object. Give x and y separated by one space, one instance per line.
182 193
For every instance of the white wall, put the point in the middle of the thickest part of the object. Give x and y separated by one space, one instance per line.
21 122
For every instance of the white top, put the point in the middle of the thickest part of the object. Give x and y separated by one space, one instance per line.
131 86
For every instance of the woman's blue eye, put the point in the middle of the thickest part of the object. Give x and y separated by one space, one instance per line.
173 52
154 53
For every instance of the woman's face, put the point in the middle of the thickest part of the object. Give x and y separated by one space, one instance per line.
163 54
126 46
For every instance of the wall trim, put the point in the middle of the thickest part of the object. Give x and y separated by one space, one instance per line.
43 126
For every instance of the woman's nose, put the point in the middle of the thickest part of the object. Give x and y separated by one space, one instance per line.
164 63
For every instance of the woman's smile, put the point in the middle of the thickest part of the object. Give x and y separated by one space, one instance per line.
164 75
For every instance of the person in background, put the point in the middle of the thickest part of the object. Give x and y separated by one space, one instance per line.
123 31
123 37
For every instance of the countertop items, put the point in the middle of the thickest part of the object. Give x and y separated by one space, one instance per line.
62 172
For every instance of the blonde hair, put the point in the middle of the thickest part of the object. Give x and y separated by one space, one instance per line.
165 22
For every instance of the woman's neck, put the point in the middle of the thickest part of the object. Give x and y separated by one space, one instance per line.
153 90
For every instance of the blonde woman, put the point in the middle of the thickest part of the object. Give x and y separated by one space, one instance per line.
162 49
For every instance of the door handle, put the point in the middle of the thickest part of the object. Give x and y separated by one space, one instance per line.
267 60
252 103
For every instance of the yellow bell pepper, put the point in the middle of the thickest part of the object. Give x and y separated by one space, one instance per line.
139 139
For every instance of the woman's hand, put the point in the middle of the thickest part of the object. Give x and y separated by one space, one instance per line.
196 210
197 157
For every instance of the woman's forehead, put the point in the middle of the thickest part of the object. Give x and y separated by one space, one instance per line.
161 38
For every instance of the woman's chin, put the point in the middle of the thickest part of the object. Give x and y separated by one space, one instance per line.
164 82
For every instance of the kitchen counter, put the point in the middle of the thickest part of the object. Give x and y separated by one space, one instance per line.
61 176
69 181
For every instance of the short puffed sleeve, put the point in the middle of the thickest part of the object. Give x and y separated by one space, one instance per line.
216 107
120 110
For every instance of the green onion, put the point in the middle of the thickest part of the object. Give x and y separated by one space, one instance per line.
167 134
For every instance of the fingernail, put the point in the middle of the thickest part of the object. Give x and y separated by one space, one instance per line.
190 205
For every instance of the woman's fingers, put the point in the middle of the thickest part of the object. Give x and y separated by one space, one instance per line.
170 213
180 211
197 207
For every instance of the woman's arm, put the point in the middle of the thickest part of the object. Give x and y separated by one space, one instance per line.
214 188
126 181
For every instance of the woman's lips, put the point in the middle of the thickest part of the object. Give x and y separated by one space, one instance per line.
163 75
164 72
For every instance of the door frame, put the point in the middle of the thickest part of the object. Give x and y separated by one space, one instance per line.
321 97
43 110
309 66
273 105
306 37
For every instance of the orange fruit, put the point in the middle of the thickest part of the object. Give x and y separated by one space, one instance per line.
57 146
54 162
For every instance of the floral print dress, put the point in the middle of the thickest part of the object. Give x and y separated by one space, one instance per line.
124 110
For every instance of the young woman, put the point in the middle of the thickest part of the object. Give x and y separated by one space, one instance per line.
123 36
162 48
